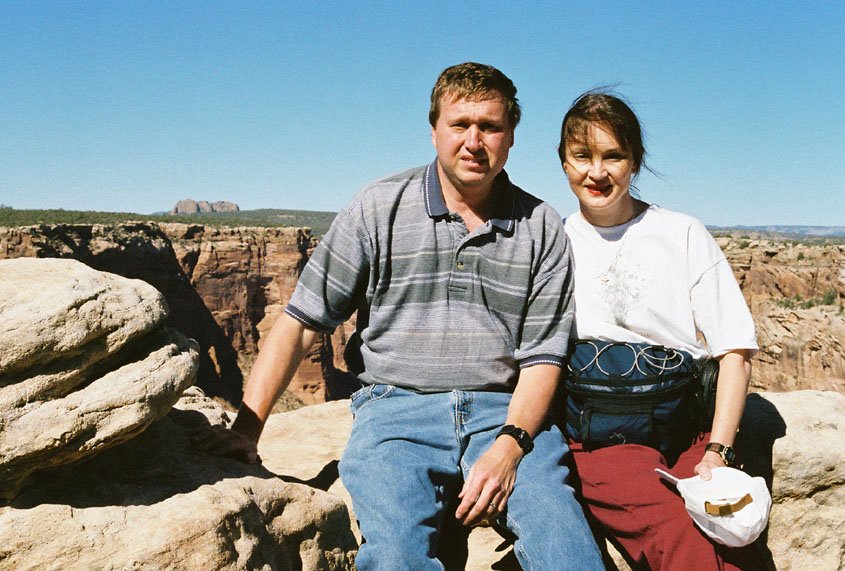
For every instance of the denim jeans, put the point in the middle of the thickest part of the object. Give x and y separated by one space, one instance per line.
406 457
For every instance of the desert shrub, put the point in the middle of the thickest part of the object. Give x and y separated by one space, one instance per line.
318 221
800 255
829 297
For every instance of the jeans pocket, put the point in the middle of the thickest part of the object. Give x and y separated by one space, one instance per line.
369 394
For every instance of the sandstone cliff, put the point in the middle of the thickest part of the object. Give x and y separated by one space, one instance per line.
796 293
246 277
226 286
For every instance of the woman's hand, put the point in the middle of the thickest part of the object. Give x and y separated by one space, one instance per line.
709 461
489 483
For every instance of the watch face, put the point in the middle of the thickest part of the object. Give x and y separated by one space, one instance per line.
726 452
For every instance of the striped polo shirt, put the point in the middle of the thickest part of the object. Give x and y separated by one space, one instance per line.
440 308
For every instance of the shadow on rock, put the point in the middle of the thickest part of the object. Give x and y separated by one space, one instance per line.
761 426
158 464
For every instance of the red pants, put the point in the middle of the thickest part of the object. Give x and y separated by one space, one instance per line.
645 516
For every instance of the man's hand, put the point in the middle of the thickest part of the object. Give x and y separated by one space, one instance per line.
226 442
490 482
284 348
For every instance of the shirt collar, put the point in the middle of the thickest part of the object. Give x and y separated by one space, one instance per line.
504 209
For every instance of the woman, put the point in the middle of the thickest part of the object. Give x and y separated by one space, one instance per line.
646 275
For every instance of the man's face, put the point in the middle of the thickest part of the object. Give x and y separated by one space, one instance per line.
472 139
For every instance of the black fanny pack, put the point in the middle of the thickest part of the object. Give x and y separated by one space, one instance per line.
636 393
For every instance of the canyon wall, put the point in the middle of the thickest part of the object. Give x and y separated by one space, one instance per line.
226 287
796 293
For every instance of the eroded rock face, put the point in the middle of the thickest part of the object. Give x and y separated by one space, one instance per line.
87 364
801 347
155 503
791 439
246 276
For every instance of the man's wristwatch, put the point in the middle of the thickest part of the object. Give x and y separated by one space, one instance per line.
519 435
726 452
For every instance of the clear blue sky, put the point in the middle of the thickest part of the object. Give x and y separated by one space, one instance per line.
131 106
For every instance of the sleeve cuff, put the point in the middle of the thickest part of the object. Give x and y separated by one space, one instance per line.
542 360
307 321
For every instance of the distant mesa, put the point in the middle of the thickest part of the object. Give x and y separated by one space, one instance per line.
189 206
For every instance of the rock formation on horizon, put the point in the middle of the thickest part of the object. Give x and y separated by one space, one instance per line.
189 206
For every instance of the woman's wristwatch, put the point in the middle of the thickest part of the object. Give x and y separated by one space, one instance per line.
726 452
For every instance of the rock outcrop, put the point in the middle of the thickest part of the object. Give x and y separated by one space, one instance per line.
140 251
155 503
794 440
791 439
96 466
189 206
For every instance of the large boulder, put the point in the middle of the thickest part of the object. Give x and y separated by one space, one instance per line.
138 251
85 364
794 440
54 310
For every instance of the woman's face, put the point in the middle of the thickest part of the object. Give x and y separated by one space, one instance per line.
599 173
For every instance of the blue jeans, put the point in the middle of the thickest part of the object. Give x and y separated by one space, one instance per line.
407 456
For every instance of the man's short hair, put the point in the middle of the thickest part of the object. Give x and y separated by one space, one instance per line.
474 82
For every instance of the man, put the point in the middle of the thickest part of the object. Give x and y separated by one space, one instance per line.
462 285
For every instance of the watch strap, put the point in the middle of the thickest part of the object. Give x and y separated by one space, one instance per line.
521 436
725 452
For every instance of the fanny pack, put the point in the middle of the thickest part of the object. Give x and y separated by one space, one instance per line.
635 393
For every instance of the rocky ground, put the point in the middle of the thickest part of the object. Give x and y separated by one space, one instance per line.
96 467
